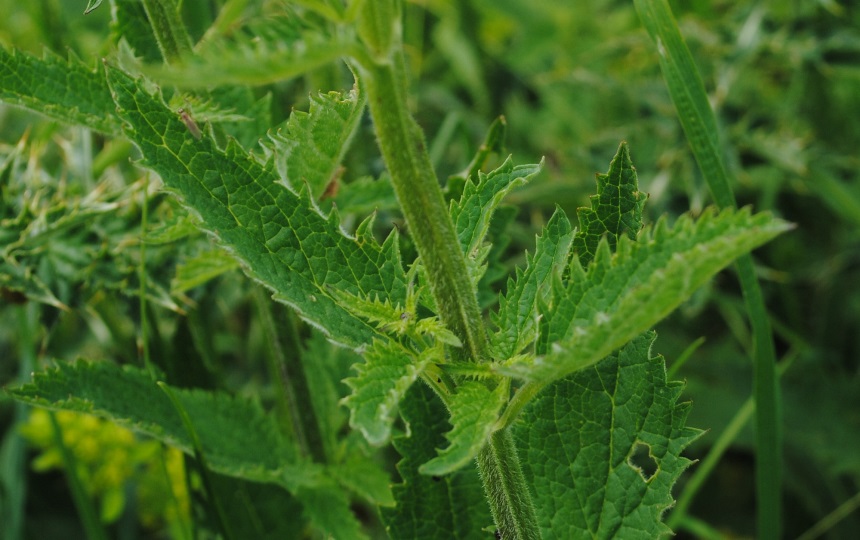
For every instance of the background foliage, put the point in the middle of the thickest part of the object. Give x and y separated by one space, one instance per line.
571 79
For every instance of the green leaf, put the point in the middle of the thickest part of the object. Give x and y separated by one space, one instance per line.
615 210
364 476
263 52
433 508
202 268
365 195
602 448
382 381
517 318
622 295
472 213
282 238
328 509
91 5
65 90
313 145
399 320
236 436
474 411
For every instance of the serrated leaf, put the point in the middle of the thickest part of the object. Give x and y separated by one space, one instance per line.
237 437
622 295
285 241
474 411
517 318
65 90
313 144
452 507
382 381
397 320
616 209
601 449
472 213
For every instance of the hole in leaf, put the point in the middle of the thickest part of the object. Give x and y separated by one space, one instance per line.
641 459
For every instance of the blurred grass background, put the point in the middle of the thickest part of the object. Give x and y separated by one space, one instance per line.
572 79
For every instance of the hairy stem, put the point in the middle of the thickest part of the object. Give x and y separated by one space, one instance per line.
420 197
170 32
506 489
417 188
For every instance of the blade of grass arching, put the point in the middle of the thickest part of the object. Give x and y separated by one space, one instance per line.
205 473
830 520
706 466
84 505
703 470
683 357
697 119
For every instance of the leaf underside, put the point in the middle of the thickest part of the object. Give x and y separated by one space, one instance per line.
474 409
602 448
433 507
311 147
517 318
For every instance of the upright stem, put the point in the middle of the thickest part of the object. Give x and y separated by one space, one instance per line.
170 32
420 197
506 489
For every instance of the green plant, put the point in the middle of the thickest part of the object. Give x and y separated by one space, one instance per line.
564 376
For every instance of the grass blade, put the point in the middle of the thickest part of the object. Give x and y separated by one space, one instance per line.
688 94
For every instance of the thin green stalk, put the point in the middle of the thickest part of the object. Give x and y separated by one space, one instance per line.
141 278
683 357
701 529
284 360
13 470
830 520
205 473
699 124
84 505
506 489
707 465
